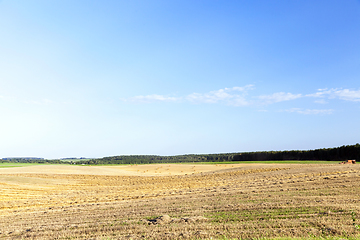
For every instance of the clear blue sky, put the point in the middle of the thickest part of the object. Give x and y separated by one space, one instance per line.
103 78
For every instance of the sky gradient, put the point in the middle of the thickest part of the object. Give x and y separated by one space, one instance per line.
104 78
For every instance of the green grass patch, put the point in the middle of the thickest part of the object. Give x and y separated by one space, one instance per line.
290 162
10 165
263 162
267 214
229 163
293 238
310 238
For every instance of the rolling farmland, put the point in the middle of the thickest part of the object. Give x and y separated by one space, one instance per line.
180 201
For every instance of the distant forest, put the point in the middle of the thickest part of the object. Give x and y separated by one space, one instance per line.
325 154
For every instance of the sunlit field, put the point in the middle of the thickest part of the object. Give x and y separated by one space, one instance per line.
180 201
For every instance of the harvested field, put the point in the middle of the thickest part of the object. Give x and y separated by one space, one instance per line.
123 170
180 201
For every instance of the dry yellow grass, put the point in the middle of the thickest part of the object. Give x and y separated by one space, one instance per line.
114 202
121 170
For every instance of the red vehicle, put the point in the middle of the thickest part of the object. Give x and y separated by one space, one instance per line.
349 162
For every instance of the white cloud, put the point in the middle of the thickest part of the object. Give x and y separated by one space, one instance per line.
343 94
152 98
320 93
348 95
232 96
310 111
278 97
238 96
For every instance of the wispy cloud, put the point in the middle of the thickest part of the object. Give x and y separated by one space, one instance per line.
152 98
278 97
239 96
343 94
309 111
348 95
232 96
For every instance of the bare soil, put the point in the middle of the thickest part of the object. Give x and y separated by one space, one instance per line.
180 201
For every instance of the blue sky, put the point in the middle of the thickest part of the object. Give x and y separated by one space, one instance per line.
103 78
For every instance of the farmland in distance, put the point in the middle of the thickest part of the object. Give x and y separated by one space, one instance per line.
180 201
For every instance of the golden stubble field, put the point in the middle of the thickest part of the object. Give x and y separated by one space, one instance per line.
180 201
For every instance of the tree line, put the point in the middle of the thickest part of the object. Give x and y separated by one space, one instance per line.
342 153
29 160
325 154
